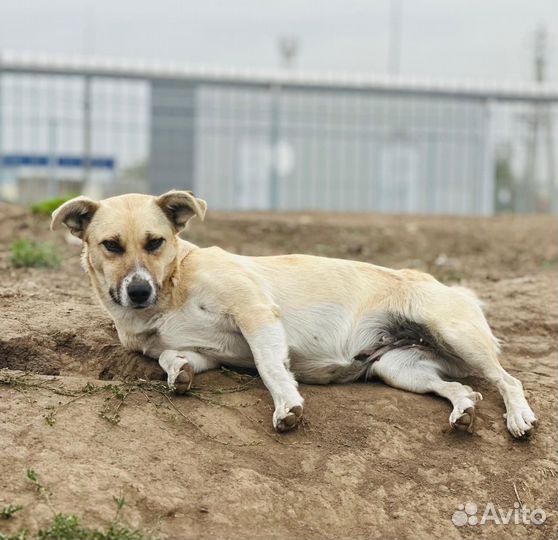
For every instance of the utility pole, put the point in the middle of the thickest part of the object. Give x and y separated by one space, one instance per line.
288 50
539 120
89 29
394 50
541 40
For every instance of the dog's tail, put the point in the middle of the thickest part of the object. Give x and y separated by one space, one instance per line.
470 294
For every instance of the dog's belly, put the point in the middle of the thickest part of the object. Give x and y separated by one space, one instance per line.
321 343
233 350
324 341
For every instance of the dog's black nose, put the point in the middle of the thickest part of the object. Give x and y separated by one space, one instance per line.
139 291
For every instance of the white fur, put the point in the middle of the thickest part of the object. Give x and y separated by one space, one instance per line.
172 362
271 357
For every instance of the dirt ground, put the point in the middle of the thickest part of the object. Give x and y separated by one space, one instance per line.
370 461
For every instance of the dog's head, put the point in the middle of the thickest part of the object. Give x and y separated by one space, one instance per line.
130 241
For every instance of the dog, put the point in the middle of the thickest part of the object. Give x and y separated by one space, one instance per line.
293 317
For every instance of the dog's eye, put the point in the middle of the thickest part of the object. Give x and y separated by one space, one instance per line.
113 246
154 244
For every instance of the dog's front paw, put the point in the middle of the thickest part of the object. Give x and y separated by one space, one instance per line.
521 422
180 374
287 418
184 379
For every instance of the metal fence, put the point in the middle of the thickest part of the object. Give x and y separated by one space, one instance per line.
275 140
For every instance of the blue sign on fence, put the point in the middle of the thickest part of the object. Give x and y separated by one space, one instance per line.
23 160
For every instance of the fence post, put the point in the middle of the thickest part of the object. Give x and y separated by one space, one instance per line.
274 136
551 161
486 206
52 159
87 187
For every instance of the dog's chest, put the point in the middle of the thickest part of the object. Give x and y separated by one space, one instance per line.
145 341
195 327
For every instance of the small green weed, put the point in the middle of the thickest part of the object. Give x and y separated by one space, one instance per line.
87 390
8 511
65 527
69 527
48 206
26 253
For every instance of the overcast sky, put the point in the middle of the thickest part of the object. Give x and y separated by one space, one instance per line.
488 39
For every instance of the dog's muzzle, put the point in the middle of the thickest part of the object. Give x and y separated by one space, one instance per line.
137 290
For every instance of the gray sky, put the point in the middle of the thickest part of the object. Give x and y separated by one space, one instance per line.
487 39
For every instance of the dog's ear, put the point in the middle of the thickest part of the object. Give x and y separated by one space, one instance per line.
76 214
180 207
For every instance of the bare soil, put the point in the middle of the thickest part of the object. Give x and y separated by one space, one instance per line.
370 461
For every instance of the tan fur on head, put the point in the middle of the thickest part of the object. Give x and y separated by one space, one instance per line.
76 214
129 237
180 207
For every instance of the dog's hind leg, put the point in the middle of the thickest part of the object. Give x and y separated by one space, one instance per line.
416 370
460 324
477 349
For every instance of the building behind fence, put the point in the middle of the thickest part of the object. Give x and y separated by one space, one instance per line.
276 140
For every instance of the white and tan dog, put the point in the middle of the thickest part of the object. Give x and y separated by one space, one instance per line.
293 317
